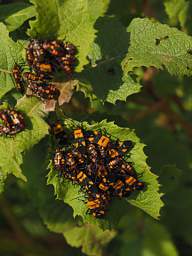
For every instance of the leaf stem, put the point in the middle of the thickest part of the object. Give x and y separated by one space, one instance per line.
5 71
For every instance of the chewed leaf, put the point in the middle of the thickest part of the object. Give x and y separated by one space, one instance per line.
158 45
12 149
17 19
128 87
70 20
90 237
10 53
148 200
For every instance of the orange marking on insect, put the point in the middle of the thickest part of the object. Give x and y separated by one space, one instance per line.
103 187
113 153
45 67
119 185
78 134
103 141
130 180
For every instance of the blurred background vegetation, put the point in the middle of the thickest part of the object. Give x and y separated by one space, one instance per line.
162 117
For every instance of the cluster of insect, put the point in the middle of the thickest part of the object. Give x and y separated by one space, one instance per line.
11 122
97 163
44 59
90 158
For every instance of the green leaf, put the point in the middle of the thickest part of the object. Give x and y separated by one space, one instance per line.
10 53
46 24
160 46
128 87
105 75
17 19
94 54
177 10
90 237
123 10
7 10
148 200
14 148
70 20
143 236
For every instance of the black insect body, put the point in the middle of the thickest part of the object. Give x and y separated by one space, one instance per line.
12 122
32 76
19 81
44 58
97 204
43 91
51 55
96 162
59 161
58 131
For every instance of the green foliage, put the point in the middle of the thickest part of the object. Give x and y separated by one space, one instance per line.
143 236
126 89
7 10
118 52
105 75
10 52
157 45
90 237
14 147
16 20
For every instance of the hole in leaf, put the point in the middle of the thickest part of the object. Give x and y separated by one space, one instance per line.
158 40
189 51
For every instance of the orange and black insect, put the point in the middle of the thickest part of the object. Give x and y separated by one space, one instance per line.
70 48
45 68
115 163
79 139
31 76
37 58
34 53
96 162
84 180
126 168
104 185
59 161
92 152
19 81
97 204
120 148
55 48
118 187
102 170
66 63
58 131
12 122
133 183
43 91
